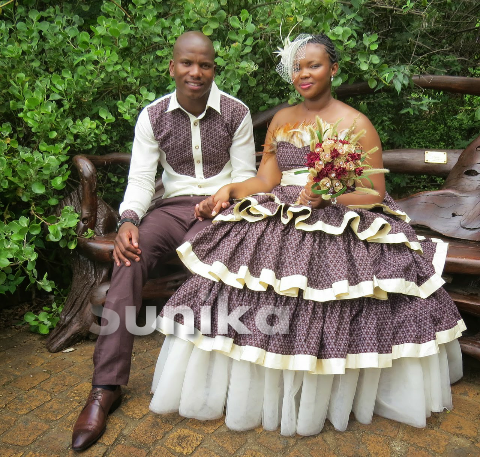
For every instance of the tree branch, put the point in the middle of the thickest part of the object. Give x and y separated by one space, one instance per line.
115 3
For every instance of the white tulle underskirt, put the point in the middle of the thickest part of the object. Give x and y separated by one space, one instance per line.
199 384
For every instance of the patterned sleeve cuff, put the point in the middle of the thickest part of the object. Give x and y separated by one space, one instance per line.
130 214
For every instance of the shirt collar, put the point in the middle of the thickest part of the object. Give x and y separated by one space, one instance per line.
213 100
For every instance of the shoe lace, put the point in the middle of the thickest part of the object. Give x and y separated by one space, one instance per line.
97 394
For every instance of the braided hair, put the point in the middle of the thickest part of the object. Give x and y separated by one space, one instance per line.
322 39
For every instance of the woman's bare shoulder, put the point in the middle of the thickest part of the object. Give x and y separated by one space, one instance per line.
350 115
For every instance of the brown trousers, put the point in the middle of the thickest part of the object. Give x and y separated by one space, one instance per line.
161 231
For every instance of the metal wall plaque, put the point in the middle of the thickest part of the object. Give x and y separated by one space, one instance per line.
437 157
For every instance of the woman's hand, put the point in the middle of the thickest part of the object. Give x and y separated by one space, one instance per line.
309 198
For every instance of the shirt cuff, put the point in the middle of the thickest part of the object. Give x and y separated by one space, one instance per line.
130 214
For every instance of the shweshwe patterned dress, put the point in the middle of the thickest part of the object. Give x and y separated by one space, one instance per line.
297 315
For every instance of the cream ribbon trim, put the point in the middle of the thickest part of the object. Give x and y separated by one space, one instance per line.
309 363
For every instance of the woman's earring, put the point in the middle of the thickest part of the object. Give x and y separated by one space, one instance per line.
331 79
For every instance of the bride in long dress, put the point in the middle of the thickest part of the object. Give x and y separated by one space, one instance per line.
303 308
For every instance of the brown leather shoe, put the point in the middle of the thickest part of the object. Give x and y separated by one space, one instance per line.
92 421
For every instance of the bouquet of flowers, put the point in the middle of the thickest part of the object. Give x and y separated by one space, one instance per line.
336 161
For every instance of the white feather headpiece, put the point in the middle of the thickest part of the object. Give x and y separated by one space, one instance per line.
291 54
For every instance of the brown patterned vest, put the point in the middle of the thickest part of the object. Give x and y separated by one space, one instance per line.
173 133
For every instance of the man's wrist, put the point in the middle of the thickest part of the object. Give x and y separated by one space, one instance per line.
125 220
128 216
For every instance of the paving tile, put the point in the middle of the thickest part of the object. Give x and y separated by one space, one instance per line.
415 451
204 452
458 425
205 426
128 451
160 451
24 432
27 382
55 365
52 444
135 407
253 453
6 421
230 441
54 409
80 392
150 431
115 424
183 441
63 381
377 445
97 450
463 406
18 367
460 446
379 426
436 441
275 442
6 396
469 390
7 451
316 446
345 443
27 401
171 418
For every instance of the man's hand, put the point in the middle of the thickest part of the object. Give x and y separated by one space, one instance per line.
211 206
126 245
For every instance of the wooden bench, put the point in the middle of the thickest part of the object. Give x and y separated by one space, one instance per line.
451 213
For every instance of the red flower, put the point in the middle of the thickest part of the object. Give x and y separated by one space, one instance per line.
340 172
358 171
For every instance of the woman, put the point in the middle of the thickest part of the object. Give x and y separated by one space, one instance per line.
307 308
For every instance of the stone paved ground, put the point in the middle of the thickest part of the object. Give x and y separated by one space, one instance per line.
41 395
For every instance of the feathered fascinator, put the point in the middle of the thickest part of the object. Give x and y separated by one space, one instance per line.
290 55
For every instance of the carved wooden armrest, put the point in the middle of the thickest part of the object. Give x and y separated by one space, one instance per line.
87 173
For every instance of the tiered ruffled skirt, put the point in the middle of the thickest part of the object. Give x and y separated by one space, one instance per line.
298 315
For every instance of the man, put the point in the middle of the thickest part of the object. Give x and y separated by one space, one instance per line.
204 140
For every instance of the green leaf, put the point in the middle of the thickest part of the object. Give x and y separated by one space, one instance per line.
52 134
104 113
35 228
57 183
213 22
372 83
38 187
244 15
207 30
397 85
4 262
114 32
3 277
72 244
43 329
55 233
234 22
32 102
43 316
363 65
29 316
477 114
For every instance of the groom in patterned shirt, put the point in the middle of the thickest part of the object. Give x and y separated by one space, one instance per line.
203 139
